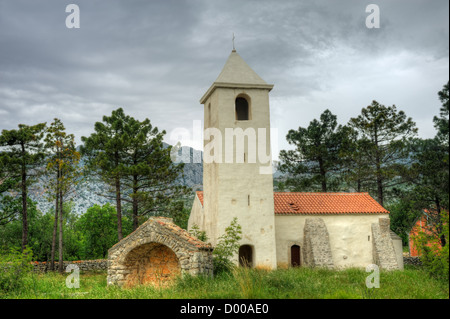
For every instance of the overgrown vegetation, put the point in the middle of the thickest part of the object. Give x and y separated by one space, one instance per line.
199 234
15 266
293 283
435 257
226 247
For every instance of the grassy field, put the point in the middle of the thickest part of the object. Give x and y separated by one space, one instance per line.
298 283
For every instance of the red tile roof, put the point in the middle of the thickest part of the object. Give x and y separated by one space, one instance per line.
323 203
200 196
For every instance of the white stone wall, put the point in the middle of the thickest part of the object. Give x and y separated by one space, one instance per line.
350 237
227 186
196 217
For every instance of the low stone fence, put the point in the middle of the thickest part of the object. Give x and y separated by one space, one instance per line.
83 265
415 261
102 264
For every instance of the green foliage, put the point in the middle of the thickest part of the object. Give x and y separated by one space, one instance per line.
199 234
62 162
97 228
383 133
227 246
129 155
180 214
11 233
22 152
428 174
10 208
441 123
40 233
14 266
293 283
315 161
403 214
148 173
434 257
355 162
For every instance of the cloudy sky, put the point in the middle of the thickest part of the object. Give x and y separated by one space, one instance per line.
156 58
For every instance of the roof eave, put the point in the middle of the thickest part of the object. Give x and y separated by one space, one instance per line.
233 86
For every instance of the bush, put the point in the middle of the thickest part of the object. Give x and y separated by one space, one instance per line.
197 233
227 246
14 266
434 257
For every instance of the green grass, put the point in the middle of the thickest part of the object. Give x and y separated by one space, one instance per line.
298 283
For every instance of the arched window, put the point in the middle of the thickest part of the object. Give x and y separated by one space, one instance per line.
245 256
242 109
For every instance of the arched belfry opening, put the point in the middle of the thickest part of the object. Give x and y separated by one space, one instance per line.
242 109
246 256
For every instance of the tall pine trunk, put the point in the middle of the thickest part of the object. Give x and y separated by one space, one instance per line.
24 205
379 176
55 225
439 223
119 209
135 204
61 263
323 175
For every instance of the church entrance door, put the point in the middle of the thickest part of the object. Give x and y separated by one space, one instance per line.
245 256
295 256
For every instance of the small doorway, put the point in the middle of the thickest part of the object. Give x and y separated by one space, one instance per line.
295 256
246 256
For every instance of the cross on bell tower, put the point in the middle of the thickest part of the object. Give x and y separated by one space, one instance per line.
234 49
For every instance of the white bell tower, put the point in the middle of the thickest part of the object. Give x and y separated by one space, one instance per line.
237 169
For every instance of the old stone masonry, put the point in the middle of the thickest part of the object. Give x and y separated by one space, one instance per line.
155 253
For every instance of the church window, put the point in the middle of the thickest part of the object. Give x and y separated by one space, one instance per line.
242 109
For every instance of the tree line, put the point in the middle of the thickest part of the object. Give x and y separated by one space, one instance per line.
124 153
377 152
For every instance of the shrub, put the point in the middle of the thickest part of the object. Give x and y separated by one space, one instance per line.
227 246
196 232
434 257
14 266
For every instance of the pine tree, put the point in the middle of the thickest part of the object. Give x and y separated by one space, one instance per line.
384 133
64 172
315 161
441 122
103 151
149 175
22 155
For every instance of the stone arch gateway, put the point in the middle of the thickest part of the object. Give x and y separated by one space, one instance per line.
156 252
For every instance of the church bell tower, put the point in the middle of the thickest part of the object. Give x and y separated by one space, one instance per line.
237 169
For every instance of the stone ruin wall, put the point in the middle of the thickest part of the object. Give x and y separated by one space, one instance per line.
316 241
382 247
157 252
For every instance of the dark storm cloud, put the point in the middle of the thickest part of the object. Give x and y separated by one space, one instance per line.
157 58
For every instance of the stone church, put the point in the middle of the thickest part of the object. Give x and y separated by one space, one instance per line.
334 230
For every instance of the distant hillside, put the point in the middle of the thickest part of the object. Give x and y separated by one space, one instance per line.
88 193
